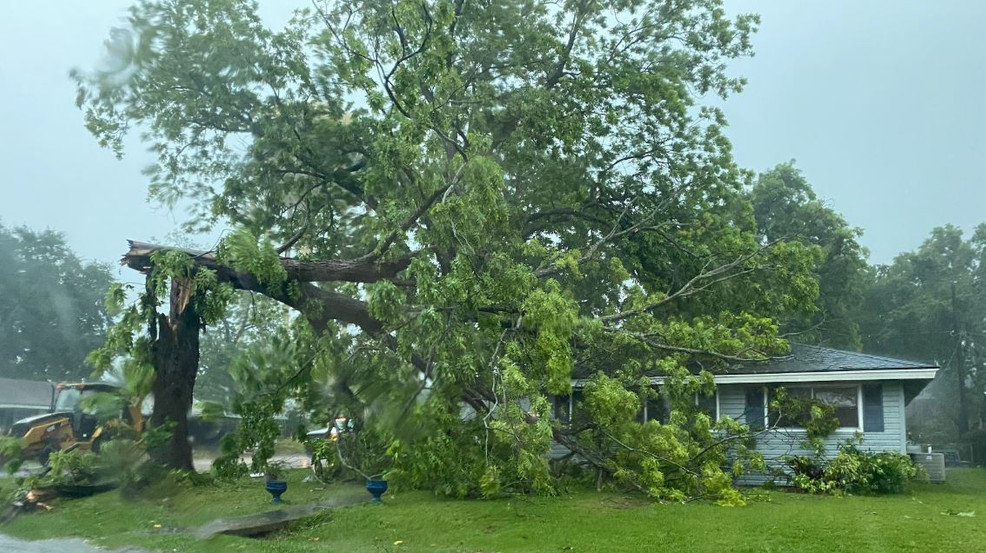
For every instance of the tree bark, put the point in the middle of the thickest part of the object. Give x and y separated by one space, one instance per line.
327 270
175 353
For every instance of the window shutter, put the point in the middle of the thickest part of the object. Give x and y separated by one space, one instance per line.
754 408
873 408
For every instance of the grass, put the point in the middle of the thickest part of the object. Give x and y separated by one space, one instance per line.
924 519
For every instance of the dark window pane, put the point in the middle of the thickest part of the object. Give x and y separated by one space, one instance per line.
873 408
657 410
753 414
578 408
562 409
707 405
797 413
846 403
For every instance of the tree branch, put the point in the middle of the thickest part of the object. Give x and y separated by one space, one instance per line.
698 283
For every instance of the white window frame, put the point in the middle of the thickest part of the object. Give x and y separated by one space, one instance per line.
859 403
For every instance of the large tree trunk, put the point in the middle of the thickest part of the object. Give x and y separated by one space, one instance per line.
175 353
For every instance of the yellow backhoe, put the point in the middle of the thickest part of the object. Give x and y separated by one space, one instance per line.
68 427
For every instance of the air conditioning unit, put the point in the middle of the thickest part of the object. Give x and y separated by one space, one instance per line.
933 463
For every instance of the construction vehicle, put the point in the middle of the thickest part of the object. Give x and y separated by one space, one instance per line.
67 427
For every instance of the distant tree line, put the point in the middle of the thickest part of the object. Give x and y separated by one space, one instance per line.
51 306
927 305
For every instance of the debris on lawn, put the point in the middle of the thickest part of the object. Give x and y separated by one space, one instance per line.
953 513
25 500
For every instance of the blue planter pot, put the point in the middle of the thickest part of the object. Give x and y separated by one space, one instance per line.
376 488
275 488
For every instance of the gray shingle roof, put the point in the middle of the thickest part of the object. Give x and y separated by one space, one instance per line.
805 358
24 393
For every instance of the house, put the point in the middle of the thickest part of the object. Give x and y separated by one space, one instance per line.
869 394
22 398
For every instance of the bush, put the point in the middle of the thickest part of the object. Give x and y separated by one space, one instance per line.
70 468
854 471
325 459
127 462
10 454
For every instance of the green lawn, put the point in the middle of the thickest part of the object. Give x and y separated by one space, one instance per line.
926 519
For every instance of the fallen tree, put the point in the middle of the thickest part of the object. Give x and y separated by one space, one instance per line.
522 193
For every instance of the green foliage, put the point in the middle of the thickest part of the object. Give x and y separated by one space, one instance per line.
444 461
228 466
53 315
71 468
265 375
10 453
686 456
241 250
325 459
871 473
485 200
128 463
249 318
786 208
511 459
364 451
854 471
911 313
817 418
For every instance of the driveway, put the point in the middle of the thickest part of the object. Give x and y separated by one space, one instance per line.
290 460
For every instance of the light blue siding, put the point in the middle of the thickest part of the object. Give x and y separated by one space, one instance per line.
777 443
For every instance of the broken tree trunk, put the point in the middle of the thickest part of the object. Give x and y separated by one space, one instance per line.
326 270
318 305
175 352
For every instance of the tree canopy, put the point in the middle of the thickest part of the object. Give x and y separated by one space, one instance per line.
249 319
786 208
930 304
51 306
483 200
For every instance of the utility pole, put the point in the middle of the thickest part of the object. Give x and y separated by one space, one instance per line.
963 422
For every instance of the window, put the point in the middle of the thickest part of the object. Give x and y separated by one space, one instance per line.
68 399
563 409
653 409
567 405
845 400
657 408
708 404
793 420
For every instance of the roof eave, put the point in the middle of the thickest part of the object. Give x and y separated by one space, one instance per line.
808 376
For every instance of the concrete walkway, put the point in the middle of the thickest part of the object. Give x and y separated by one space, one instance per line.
269 521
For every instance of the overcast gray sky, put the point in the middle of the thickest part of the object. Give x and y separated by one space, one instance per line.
879 102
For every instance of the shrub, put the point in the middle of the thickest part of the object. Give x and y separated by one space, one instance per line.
127 462
325 459
871 473
854 471
10 454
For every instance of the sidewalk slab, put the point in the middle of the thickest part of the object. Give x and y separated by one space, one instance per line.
264 523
